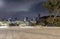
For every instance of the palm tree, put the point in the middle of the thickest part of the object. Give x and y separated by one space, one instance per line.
53 6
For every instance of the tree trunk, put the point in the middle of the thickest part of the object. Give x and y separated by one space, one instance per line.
51 17
55 17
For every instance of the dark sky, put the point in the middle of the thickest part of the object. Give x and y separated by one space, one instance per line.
22 8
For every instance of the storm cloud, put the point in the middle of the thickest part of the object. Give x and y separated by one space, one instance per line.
21 8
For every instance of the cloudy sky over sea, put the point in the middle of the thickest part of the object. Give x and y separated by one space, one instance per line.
22 8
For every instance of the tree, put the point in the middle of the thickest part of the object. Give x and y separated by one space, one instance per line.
16 18
38 19
54 8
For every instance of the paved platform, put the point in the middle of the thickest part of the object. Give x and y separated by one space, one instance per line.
31 33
